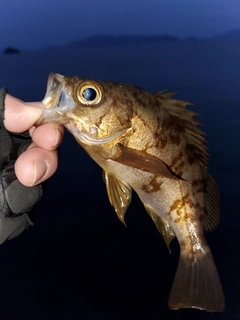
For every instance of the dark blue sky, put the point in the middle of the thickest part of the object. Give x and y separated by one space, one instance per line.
40 23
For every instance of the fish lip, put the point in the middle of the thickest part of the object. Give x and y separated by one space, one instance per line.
57 102
54 90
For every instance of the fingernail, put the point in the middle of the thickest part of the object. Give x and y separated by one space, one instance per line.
40 170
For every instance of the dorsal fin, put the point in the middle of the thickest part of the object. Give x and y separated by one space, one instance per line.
119 194
162 225
164 94
212 203
196 148
175 111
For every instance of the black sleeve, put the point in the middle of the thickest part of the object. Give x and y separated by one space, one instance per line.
17 202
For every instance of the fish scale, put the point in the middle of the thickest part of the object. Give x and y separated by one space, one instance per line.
149 143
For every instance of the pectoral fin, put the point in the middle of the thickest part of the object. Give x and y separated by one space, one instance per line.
162 225
119 194
143 161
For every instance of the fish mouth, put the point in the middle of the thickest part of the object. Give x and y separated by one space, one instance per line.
54 91
57 101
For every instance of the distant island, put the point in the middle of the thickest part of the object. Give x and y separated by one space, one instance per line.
11 50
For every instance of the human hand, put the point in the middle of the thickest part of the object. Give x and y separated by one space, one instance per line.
39 161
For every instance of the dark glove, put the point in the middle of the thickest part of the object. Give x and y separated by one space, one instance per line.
16 201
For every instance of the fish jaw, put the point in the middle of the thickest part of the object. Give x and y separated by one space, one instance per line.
54 89
84 138
57 101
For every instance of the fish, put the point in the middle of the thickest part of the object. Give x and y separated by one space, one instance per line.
152 144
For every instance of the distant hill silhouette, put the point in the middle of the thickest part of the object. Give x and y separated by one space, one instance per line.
124 40
231 35
102 40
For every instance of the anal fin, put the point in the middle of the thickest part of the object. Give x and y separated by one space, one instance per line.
162 225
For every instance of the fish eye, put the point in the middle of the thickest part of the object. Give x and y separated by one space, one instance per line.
89 93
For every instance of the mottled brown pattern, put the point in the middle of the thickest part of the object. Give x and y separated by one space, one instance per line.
179 170
176 159
197 205
198 185
148 146
161 143
177 164
183 243
153 185
190 217
191 156
197 182
179 204
173 128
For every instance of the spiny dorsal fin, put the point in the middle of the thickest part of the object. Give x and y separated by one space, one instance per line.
164 94
212 203
176 110
119 194
162 225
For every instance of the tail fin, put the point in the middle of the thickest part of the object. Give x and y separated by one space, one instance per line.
197 284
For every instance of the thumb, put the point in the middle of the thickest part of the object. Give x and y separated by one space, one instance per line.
20 116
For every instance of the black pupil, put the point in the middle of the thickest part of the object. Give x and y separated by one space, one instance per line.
89 94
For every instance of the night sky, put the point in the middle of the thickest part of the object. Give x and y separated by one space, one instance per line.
29 24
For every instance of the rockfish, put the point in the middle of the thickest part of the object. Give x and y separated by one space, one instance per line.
149 143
